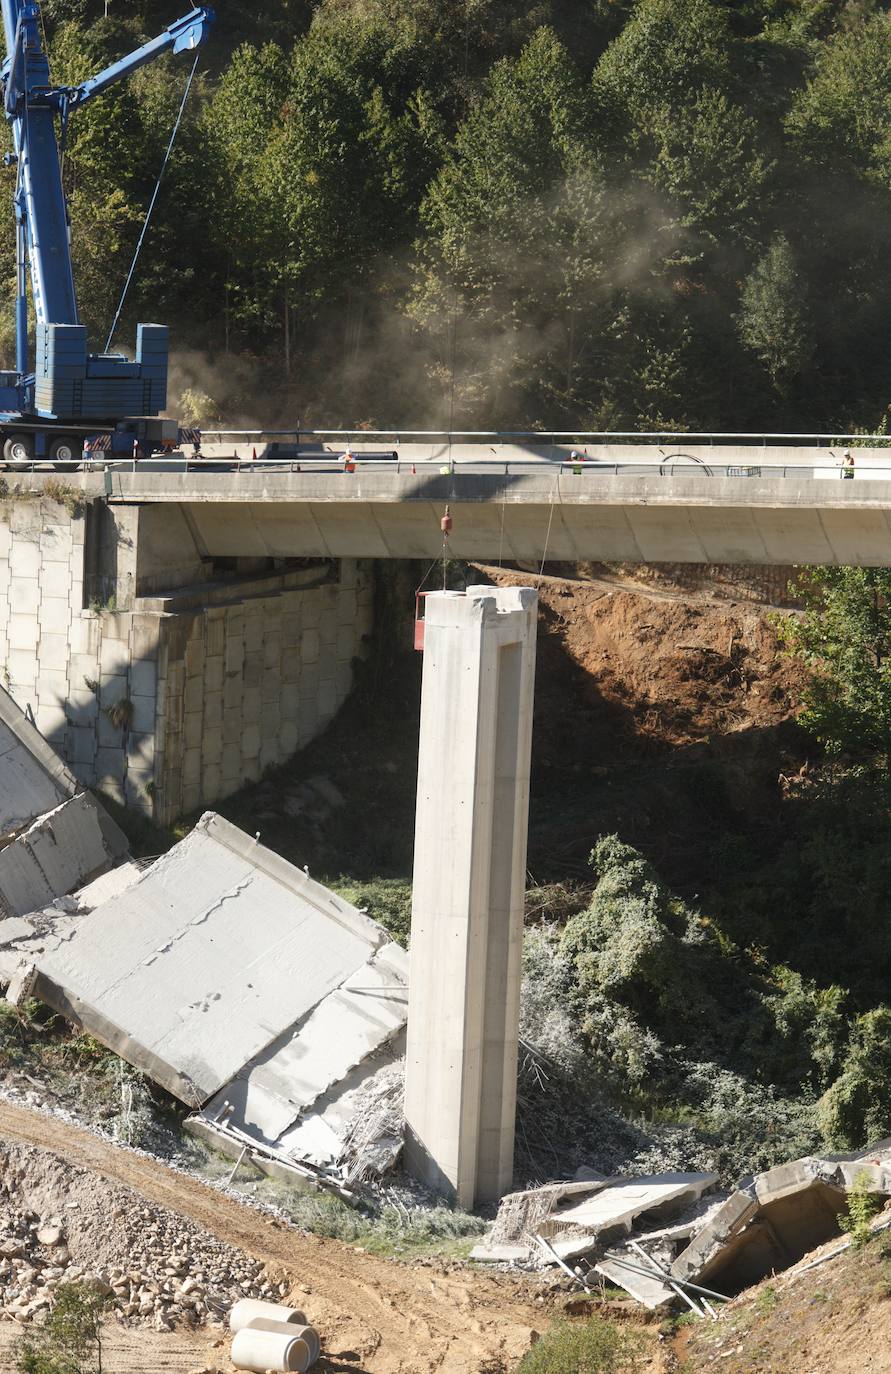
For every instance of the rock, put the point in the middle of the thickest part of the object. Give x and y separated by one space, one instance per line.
98 1283
50 1235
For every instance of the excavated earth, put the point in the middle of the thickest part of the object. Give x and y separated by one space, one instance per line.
373 1315
63 1224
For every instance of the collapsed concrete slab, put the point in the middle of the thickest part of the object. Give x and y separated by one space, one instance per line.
33 779
211 957
774 1219
58 852
52 838
580 1217
522 1215
233 980
577 1229
24 940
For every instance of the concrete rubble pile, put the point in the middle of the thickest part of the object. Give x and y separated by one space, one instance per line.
663 1237
563 1222
59 1224
274 1009
775 1218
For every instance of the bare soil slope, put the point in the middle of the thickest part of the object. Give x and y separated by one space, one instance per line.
666 714
684 666
835 1319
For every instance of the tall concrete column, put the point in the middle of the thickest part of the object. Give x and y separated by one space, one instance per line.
469 880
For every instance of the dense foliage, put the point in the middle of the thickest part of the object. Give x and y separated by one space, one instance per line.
609 213
721 1058
844 638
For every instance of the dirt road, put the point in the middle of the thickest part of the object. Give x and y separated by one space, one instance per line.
374 1315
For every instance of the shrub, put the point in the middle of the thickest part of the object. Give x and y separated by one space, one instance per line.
65 495
857 1107
70 1340
590 1347
862 1207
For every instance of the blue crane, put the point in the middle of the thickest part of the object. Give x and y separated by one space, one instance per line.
48 407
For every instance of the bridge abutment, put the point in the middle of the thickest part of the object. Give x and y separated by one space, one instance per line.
165 679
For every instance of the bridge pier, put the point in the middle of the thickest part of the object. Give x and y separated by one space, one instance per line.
164 678
467 893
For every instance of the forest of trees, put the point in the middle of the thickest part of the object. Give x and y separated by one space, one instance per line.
609 214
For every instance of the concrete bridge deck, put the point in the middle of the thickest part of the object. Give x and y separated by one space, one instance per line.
534 514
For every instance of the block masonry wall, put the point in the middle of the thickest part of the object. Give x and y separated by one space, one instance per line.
168 704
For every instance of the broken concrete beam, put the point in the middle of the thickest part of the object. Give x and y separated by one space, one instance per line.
521 1214
863 1173
618 1206
623 1268
780 1216
236 1146
784 1180
68 846
727 1222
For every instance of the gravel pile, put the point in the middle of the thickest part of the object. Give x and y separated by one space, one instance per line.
60 1224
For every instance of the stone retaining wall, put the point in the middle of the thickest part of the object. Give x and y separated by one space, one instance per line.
176 701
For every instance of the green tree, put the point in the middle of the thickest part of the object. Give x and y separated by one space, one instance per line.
667 53
774 320
707 160
324 153
844 639
842 117
521 287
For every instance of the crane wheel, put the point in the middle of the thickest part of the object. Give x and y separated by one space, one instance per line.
18 451
65 454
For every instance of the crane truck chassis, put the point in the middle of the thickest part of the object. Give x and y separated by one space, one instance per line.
68 400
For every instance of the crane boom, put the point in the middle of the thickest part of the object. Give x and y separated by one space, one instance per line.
33 105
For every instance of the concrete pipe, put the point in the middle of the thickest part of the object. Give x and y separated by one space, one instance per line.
249 1309
262 1351
306 1333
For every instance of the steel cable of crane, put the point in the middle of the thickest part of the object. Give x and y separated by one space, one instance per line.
148 213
